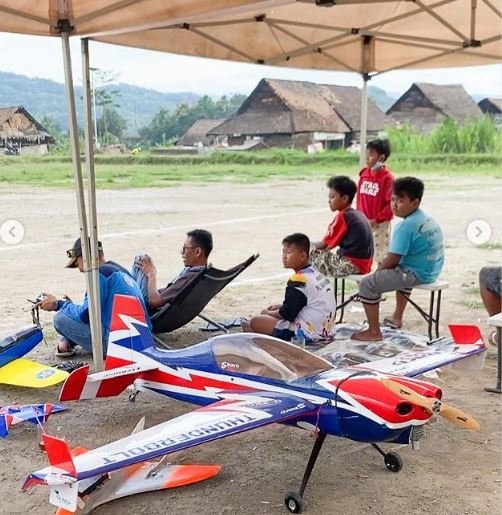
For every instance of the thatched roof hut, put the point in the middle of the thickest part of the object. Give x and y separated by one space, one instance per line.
297 113
17 125
197 133
425 106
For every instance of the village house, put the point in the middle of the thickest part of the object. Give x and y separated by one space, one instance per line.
493 108
284 113
426 106
19 130
197 134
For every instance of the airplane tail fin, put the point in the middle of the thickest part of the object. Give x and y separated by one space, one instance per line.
465 334
129 336
5 421
129 332
59 454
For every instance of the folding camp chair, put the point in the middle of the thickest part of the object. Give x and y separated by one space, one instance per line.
190 301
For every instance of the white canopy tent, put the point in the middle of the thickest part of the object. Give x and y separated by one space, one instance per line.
365 36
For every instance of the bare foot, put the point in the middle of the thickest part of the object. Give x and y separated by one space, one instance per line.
367 336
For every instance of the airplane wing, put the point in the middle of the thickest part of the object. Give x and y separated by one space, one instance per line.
17 413
23 372
467 349
233 414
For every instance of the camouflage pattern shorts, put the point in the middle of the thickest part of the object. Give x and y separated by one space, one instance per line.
331 264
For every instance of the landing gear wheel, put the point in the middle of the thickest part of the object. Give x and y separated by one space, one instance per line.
293 502
393 461
132 396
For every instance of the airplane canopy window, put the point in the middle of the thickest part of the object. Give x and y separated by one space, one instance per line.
265 356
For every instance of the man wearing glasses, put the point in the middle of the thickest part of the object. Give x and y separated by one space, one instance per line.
71 320
195 253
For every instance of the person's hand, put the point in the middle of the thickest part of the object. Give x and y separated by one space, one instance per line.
273 307
373 223
146 264
48 302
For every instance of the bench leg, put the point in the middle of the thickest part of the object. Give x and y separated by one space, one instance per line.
340 306
498 387
426 316
430 317
438 313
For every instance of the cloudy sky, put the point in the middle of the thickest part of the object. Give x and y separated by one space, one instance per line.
41 57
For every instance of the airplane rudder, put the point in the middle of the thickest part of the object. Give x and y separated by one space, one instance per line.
59 454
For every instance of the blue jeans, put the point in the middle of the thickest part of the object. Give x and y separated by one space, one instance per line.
77 332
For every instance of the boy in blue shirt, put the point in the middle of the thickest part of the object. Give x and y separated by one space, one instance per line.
416 256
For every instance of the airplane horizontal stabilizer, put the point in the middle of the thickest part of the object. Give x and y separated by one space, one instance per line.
143 477
80 385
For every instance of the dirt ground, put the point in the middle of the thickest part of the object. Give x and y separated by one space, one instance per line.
454 472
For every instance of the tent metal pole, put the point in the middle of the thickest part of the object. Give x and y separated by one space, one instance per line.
367 64
364 120
95 301
79 183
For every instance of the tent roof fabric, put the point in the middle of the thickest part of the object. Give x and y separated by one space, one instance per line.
306 107
303 35
398 34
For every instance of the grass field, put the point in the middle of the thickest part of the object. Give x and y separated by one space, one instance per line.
148 171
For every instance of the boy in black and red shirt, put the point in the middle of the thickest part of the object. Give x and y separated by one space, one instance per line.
374 192
350 231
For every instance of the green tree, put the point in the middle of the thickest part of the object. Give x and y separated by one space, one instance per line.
110 123
51 126
105 99
166 126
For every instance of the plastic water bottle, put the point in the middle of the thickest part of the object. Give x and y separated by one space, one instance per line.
299 338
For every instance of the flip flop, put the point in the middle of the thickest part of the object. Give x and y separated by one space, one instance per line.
387 322
65 353
227 324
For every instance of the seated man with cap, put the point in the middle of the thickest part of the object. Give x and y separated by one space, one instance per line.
71 320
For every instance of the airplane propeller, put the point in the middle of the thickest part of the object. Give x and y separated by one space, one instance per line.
450 413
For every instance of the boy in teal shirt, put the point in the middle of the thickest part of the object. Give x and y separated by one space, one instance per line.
416 256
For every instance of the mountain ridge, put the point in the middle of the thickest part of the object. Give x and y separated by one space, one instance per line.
138 105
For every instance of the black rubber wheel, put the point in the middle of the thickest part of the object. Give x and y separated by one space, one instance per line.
393 461
132 397
293 502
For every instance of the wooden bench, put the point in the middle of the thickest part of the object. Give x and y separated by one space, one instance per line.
431 316
496 321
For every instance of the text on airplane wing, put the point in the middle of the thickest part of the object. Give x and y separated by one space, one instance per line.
234 414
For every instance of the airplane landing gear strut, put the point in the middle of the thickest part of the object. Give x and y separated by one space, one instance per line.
293 500
392 460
